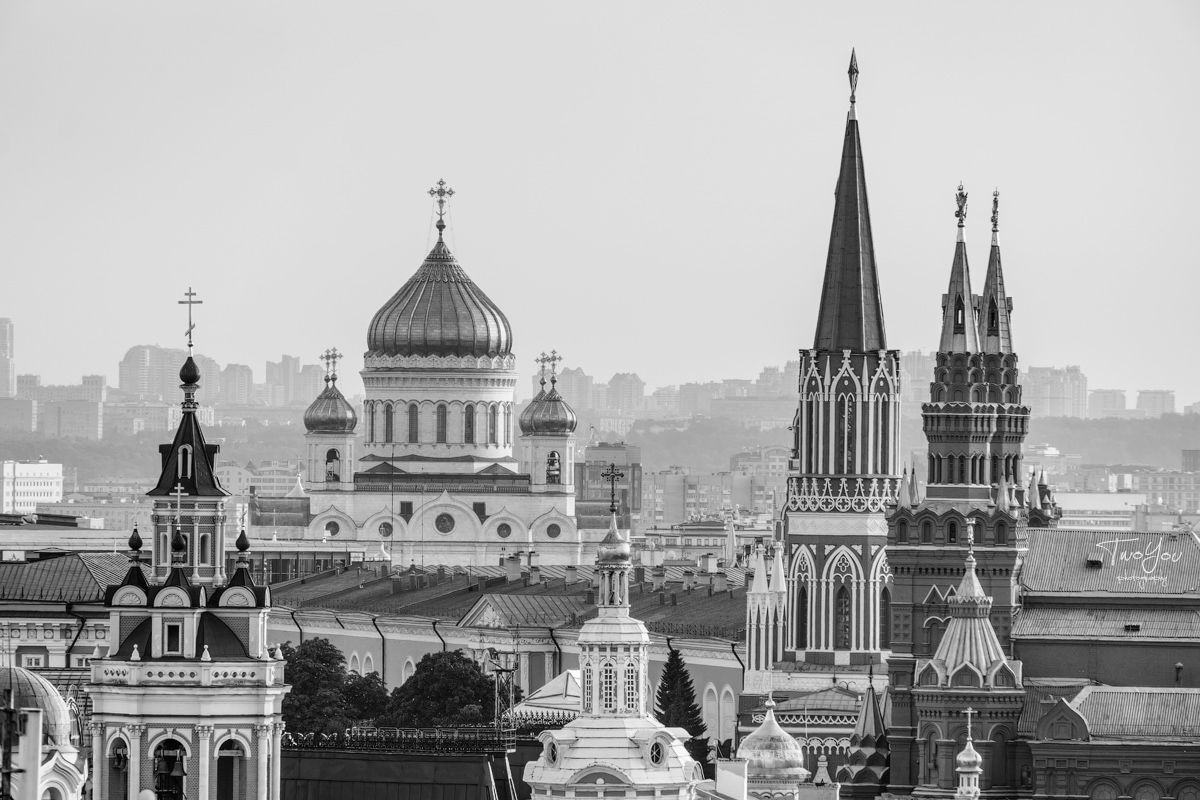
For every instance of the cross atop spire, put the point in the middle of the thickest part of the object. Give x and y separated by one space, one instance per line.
553 361
969 711
542 361
612 475
331 357
189 302
442 193
853 73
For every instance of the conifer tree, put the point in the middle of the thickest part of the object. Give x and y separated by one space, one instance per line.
676 707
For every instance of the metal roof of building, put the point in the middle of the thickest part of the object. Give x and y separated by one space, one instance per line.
1137 712
1133 623
1122 563
70 578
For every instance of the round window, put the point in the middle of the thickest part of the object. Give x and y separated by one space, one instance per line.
444 523
332 528
385 529
553 531
504 530
656 754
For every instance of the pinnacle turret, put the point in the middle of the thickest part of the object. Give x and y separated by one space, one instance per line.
995 307
959 332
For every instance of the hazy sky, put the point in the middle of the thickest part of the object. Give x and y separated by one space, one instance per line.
644 186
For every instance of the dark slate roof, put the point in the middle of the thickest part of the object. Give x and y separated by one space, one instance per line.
1040 696
517 609
439 311
993 291
70 578
1136 712
202 480
1087 623
223 643
340 775
952 339
1130 563
851 312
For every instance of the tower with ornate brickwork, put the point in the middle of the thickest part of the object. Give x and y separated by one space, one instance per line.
975 424
189 701
845 458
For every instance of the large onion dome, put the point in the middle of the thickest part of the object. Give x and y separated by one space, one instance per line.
771 753
439 312
548 413
31 690
969 758
330 412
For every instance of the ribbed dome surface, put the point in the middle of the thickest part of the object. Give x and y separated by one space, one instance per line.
330 412
548 413
772 753
969 758
439 312
31 690
612 549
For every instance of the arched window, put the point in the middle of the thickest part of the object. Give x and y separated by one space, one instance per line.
927 532
802 618
553 468
587 689
493 424
118 774
885 619
231 769
632 694
333 465
952 533
414 421
1001 533
608 687
885 426
999 760
169 769
409 669
963 477
184 465
901 532
842 621
369 413
389 423
469 424
933 636
204 540
353 665
993 318
441 424
960 316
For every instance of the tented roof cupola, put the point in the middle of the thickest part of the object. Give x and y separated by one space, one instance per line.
851 312
439 311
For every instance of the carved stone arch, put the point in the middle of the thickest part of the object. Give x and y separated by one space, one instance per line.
347 527
1105 789
223 736
172 597
846 371
590 773
238 596
1062 722
881 570
882 381
967 676
425 517
370 526
1146 789
540 524
181 735
1186 789
131 596
803 568
842 566
1001 676
931 729
517 527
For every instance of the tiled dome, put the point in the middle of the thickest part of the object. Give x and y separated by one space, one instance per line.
31 690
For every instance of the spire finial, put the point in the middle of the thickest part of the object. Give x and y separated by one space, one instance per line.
334 357
553 362
853 73
189 302
996 211
541 361
969 711
961 213
612 475
442 193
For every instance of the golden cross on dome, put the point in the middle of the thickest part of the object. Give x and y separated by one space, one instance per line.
442 193
334 357
189 302
969 711
611 475
961 213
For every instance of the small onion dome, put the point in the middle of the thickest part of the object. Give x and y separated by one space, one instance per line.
771 753
548 413
135 540
969 758
189 372
612 548
178 543
439 312
330 412
31 690
243 541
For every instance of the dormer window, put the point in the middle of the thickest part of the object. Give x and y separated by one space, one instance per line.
184 465
658 753
960 316
173 639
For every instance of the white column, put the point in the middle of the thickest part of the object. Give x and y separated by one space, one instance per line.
262 760
549 667
276 758
134 784
203 759
99 758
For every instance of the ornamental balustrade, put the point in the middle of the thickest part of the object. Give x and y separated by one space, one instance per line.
406 740
843 494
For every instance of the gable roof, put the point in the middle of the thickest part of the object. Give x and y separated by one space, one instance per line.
1137 712
1124 563
508 610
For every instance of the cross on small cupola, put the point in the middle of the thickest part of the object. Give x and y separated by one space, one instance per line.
331 357
541 361
442 193
612 475
189 301
553 360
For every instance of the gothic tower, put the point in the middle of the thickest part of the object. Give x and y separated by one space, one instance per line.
975 425
845 461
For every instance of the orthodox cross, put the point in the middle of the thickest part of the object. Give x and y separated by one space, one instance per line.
541 361
853 73
611 475
331 357
996 211
442 193
553 361
189 302
178 494
961 213
969 711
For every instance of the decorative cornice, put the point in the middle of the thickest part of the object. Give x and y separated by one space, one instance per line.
373 361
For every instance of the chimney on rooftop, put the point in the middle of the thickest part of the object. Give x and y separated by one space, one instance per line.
512 569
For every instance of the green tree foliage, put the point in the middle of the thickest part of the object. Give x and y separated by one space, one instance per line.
676 706
445 690
366 696
316 671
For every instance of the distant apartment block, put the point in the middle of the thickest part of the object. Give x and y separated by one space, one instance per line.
1191 460
675 496
150 372
8 366
1194 408
1055 392
266 479
237 385
92 388
1176 490
1110 403
118 486
763 413
696 398
1156 402
18 416
916 373
24 484
120 514
72 419
627 393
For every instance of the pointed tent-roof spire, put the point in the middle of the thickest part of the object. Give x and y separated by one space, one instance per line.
778 584
969 638
759 586
904 494
913 487
959 333
851 312
995 324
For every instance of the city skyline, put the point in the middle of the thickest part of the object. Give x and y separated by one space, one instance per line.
275 170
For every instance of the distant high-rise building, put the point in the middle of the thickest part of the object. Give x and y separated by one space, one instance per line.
696 398
1055 392
627 393
575 386
664 401
1194 408
150 372
8 366
916 367
237 385
1103 402
1156 402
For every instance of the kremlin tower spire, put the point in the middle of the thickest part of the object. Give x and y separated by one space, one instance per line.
995 323
959 331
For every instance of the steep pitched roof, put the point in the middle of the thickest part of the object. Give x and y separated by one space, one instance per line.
851 311
1132 563
970 638
189 461
995 311
959 333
